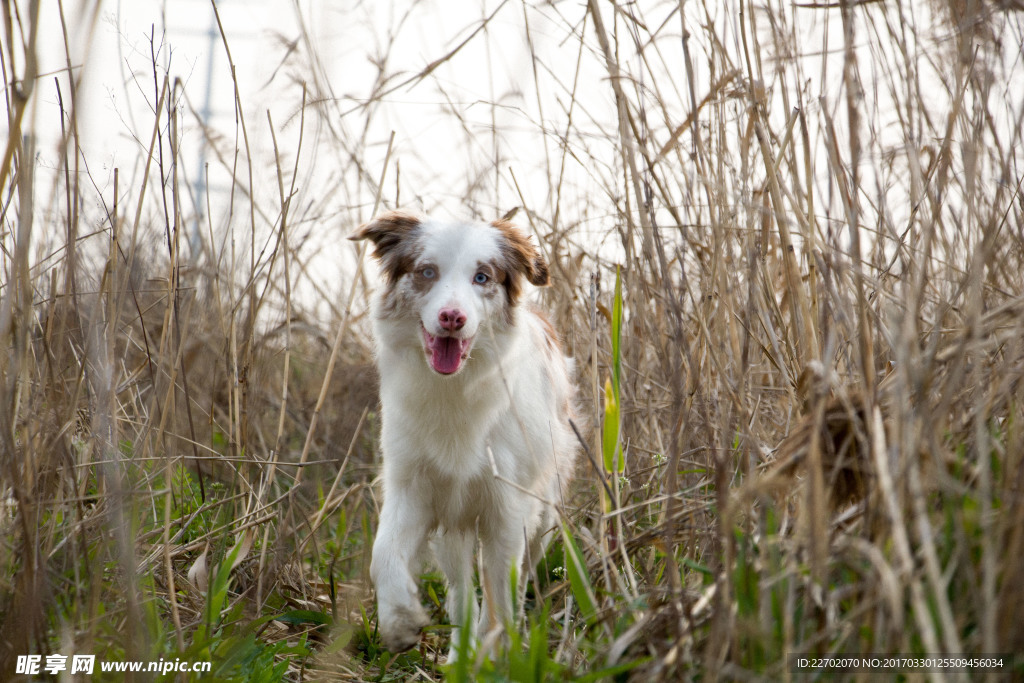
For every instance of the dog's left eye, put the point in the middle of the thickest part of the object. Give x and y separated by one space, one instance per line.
481 278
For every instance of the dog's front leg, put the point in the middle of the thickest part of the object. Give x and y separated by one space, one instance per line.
454 553
502 550
402 531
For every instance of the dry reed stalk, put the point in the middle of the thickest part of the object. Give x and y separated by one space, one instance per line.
343 327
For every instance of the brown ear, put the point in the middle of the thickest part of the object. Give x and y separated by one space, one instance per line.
519 251
521 260
390 233
387 230
538 275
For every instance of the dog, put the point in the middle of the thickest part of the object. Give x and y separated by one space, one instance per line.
476 403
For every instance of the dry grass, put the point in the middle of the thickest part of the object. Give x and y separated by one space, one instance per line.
818 216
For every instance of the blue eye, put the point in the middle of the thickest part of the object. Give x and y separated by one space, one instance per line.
481 278
429 273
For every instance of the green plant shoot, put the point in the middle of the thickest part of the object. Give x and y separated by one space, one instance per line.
614 462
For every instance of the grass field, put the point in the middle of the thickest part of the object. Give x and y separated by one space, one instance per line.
787 244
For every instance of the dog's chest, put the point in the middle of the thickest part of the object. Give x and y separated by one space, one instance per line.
449 438
453 441
447 421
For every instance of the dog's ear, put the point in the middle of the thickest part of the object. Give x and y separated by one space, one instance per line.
522 256
390 232
539 274
387 230
537 271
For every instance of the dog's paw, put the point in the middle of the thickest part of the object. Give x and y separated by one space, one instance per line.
400 627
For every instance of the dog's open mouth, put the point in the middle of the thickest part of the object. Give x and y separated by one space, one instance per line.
446 353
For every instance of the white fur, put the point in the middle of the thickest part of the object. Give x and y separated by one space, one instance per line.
507 406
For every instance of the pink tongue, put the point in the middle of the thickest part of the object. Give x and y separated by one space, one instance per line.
446 354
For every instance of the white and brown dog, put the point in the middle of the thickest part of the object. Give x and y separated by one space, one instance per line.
476 399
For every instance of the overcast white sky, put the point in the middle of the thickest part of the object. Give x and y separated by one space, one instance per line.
515 77
443 124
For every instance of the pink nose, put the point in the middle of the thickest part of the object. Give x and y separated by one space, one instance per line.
451 319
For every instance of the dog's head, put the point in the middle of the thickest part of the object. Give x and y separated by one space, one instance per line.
454 279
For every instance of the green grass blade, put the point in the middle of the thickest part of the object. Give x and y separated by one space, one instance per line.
579 578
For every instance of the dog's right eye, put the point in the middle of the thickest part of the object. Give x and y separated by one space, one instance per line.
428 273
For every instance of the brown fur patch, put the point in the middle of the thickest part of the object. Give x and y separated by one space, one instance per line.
522 260
500 277
390 233
491 270
421 283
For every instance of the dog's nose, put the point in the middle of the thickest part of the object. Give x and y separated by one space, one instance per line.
451 319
